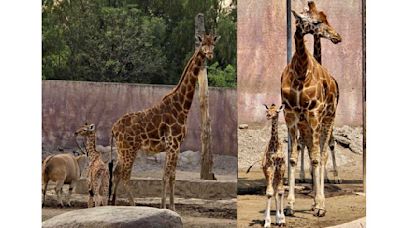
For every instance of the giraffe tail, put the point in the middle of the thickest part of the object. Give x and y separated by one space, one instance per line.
248 170
110 167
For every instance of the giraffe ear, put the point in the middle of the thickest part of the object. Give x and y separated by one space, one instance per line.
265 106
281 108
92 127
296 16
216 38
199 38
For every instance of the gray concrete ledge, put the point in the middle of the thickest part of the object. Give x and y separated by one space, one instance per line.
150 187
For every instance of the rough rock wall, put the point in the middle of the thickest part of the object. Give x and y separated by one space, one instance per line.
262 55
66 105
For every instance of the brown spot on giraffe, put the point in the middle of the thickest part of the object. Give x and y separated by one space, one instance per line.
161 127
304 67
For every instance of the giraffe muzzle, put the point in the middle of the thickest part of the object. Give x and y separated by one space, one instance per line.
336 39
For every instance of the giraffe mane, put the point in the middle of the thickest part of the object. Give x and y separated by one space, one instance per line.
182 76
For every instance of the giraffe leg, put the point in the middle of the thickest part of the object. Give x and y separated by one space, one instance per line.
90 202
169 175
292 146
282 220
280 192
104 189
315 158
172 184
97 187
267 212
332 145
126 173
277 208
301 148
269 173
117 175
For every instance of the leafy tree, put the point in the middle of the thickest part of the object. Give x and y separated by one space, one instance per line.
141 41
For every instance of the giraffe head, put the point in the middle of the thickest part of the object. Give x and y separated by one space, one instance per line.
312 21
273 111
207 43
86 130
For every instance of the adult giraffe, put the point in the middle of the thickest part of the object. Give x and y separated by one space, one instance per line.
310 96
161 127
317 53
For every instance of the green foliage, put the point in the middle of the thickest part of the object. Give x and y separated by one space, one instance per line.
140 41
221 77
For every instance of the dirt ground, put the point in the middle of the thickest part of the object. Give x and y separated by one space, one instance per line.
340 209
343 203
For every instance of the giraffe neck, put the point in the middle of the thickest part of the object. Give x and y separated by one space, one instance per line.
182 95
300 58
91 146
317 49
273 142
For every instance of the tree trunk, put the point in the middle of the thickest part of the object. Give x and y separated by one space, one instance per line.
206 155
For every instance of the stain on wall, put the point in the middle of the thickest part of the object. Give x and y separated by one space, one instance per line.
66 105
262 55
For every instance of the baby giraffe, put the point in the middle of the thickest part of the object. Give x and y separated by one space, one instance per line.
98 174
273 165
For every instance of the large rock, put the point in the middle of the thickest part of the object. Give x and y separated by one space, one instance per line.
116 216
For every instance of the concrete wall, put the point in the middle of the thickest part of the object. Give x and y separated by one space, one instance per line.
262 55
66 105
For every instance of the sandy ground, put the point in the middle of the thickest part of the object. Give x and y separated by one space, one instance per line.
343 203
340 209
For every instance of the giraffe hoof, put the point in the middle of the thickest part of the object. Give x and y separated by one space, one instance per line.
60 205
288 211
319 212
42 205
68 205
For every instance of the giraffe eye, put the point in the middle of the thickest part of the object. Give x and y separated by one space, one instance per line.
317 22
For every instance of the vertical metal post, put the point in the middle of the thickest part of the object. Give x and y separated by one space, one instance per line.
364 67
289 29
289 57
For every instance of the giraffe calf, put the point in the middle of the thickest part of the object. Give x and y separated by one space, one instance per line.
98 173
273 166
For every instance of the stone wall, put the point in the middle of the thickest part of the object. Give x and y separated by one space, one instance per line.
66 105
262 55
